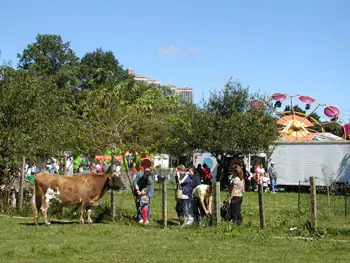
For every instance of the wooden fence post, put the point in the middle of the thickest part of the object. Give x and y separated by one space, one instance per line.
164 204
261 206
21 182
113 202
65 164
313 203
216 218
346 200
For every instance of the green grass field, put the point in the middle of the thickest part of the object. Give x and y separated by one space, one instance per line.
125 241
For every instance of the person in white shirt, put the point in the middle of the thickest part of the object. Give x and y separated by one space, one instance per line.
236 196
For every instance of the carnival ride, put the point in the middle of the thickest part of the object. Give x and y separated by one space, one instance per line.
296 124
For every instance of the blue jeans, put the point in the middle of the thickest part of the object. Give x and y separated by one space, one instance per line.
197 209
189 208
185 208
274 185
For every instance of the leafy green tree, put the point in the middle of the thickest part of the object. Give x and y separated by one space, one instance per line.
97 66
178 142
226 125
132 115
49 55
33 122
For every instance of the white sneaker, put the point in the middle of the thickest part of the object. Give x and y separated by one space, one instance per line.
141 221
190 221
146 223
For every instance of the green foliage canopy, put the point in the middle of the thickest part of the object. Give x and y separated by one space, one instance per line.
227 125
33 122
97 66
49 55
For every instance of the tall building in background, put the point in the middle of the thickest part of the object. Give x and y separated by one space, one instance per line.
142 78
186 94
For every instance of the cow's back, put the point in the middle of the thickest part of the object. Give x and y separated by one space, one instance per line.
70 189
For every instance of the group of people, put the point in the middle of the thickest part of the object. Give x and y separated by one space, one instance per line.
193 194
194 191
195 201
268 179
53 168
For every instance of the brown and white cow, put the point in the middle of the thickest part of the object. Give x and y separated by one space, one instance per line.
84 189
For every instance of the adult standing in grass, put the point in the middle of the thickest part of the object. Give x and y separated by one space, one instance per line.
273 177
184 182
195 176
201 193
236 196
143 181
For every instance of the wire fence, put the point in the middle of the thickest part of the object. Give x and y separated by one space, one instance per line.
290 209
332 204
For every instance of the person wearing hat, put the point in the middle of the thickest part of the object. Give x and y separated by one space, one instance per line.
273 177
143 184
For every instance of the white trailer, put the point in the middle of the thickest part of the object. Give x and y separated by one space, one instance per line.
208 158
161 160
329 162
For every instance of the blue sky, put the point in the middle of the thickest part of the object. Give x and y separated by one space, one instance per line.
293 47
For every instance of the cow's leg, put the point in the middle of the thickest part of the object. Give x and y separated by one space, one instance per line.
82 213
44 212
43 208
89 215
35 205
35 210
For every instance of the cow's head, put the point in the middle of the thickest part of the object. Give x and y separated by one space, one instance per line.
115 182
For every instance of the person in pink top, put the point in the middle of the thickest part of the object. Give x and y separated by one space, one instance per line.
259 173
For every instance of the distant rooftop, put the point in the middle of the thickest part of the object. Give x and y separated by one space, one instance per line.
327 137
185 93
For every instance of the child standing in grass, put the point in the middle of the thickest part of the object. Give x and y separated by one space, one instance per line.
143 204
265 182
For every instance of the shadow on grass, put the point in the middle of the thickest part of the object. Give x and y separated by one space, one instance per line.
169 223
52 222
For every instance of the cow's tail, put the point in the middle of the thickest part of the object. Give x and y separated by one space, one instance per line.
35 203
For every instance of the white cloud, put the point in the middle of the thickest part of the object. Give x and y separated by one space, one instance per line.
169 51
192 50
